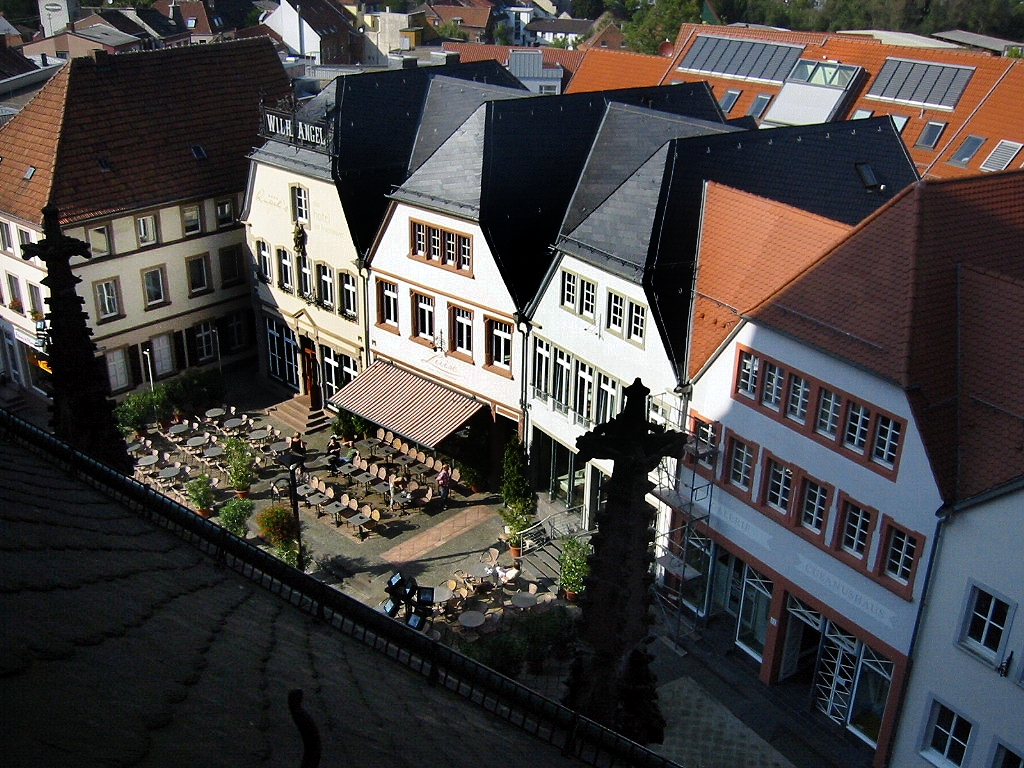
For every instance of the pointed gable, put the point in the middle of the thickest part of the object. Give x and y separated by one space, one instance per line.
750 248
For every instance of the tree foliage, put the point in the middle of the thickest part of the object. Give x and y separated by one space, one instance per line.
654 24
278 526
452 30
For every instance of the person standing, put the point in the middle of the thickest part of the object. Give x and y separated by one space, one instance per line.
297 446
444 483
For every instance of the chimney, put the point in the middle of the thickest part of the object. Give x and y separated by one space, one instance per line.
42 59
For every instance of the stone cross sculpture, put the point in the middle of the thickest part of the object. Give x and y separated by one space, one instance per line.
610 681
82 413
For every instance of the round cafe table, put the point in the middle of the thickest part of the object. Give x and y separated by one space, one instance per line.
215 413
480 570
148 461
213 452
442 594
177 429
168 473
195 442
234 423
258 435
471 619
524 600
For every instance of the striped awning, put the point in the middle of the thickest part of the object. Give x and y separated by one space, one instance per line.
415 408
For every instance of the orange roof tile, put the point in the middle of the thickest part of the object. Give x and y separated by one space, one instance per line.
471 17
470 52
778 243
894 282
989 106
116 134
603 70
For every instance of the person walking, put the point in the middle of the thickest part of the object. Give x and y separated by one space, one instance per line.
444 483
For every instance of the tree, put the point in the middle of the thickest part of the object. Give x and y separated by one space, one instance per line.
502 34
452 30
654 24
515 481
587 9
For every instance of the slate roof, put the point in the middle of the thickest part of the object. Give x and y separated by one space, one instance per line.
153 107
376 128
122 644
517 178
326 17
13 62
749 248
896 279
812 168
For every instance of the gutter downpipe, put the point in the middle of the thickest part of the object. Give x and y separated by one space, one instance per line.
364 278
525 327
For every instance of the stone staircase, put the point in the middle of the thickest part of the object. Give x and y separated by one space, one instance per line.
297 415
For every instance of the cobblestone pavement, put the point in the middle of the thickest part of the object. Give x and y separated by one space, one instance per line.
701 700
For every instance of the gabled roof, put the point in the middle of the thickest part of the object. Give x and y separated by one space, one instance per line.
154 107
469 52
191 15
606 69
13 62
515 166
471 17
971 98
324 16
750 247
908 317
377 125
106 35
839 171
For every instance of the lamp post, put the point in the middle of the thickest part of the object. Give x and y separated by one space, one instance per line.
293 495
149 369
216 339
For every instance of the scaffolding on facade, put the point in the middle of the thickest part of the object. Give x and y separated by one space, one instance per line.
682 555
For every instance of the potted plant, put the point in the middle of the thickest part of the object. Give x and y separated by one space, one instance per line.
472 477
517 518
200 493
234 515
133 413
241 461
573 565
280 529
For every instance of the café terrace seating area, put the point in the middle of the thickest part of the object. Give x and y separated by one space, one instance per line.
385 482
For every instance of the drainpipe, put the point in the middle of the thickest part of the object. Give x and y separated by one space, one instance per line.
364 276
525 327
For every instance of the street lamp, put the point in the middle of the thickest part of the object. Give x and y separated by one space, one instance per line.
216 339
293 494
149 368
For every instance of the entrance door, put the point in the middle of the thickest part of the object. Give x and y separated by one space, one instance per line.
833 687
728 583
803 637
752 625
311 374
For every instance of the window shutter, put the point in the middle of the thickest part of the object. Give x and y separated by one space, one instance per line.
138 376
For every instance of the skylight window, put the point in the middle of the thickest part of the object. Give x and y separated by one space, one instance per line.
930 135
823 73
728 100
759 105
867 176
900 121
29 172
198 152
967 151
1001 156
191 22
862 114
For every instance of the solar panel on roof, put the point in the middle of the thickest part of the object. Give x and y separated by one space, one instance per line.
752 59
921 82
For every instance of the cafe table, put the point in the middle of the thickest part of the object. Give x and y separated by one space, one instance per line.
178 429
195 442
234 423
335 509
213 452
168 473
215 413
471 619
280 446
442 594
480 570
148 461
357 521
524 599
258 435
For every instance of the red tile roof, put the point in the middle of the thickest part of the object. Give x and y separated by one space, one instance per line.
778 243
604 69
140 114
887 299
470 52
471 17
990 106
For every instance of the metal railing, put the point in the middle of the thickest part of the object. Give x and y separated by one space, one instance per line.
538 715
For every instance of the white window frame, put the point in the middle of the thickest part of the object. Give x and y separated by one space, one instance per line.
224 212
499 344
773 379
746 375
778 486
206 341
388 303
569 290
798 398
462 331
325 285
541 373
424 317
813 505
945 739
561 380
161 283
99 240
6 242
886 444
162 352
465 252
191 219
285 270
306 284
349 295
854 534
857 426
300 204
263 261
195 286
979 621
637 327
588 298
108 298
616 322
827 412
145 230
741 463
606 407
583 393
118 372
901 552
